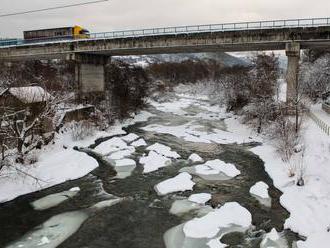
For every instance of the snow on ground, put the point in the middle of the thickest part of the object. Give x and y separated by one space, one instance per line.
217 166
218 221
309 206
195 158
181 182
54 199
200 198
260 189
56 164
320 113
153 161
163 150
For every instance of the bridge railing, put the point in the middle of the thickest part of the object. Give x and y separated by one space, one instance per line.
276 24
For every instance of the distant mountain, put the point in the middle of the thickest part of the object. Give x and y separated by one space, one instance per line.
145 60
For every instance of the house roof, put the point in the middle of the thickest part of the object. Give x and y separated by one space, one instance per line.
30 94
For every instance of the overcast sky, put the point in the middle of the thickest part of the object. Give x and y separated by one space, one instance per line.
127 14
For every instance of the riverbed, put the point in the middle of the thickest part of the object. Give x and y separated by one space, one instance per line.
127 211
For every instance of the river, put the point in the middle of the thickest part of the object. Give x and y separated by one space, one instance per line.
142 218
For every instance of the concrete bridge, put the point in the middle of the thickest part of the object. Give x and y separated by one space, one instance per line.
91 55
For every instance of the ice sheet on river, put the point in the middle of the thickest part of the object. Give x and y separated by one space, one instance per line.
192 132
206 231
58 228
163 150
54 199
181 182
213 170
260 192
154 161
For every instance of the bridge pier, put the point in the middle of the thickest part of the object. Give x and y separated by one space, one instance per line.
89 75
292 51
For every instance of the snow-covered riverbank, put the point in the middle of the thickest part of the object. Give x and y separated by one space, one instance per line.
309 206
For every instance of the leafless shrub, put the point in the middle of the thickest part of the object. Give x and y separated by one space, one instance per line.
81 130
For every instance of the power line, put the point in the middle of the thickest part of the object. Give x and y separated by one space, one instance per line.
52 8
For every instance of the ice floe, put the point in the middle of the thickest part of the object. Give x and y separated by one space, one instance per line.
130 137
200 198
124 167
273 240
58 228
195 158
229 215
54 199
260 192
138 143
153 162
163 150
110 146
181 182
213 170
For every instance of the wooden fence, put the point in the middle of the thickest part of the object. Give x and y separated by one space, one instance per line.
324 126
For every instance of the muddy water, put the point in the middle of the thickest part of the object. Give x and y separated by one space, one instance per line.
142 221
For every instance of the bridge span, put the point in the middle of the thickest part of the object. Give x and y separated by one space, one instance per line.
92 54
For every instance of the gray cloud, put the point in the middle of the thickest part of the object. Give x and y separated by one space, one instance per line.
131 14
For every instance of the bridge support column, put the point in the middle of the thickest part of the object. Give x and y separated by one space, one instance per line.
293 53
90 75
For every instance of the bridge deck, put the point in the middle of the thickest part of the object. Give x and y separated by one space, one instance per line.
243 36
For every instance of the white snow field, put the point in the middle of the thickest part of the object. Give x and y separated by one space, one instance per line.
56 165
181 182
309 206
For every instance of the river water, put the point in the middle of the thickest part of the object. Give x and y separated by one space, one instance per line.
142 219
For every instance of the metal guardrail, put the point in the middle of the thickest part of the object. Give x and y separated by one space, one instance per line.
275 24
290 23
321 124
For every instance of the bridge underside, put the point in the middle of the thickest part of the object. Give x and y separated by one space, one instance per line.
90 54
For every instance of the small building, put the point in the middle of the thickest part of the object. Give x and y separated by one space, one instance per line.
15 101
20 98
